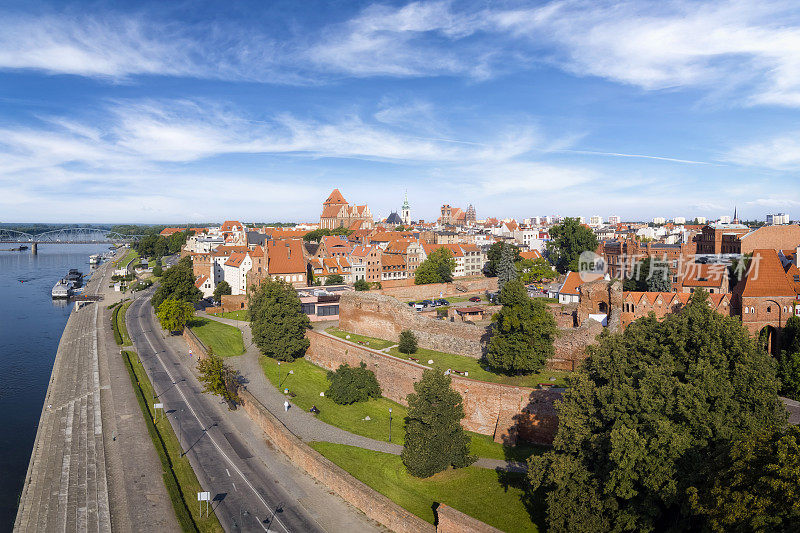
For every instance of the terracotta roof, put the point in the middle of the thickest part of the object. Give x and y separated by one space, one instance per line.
575 280
286 257
766 277
282 233
199 282
166 232
533 254
392 260
236 258
700 275
228 250
335 198
454 249
331 211
229 224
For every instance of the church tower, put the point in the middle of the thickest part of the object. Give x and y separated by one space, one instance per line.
405 212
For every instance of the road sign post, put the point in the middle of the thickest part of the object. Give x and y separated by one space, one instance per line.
203 497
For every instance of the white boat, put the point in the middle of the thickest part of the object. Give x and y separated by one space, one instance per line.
62 289
94 259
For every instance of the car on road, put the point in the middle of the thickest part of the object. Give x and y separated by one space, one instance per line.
427 303
412 304
419 306
441 301
475 299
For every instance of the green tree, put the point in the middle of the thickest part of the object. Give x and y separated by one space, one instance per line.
523 333
351 384
437 268
568 241
791 334
434 437
334 279
649 275
177 240
494 254
177 283
408 342
277 321
218 378
158 271
361 285
317 234
533 270
174 314
753 485
646 410
222 288
789 374
506 269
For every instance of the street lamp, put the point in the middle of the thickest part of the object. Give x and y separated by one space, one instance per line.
180 430
390 424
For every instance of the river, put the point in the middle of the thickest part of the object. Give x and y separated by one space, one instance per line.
31 324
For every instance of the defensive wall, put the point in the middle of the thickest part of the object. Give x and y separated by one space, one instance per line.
506 412
196 346
406 290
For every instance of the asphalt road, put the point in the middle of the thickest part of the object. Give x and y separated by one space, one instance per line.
246 495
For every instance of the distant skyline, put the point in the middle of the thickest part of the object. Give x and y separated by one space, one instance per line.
173 112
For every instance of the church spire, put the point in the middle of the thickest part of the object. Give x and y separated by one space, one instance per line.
735 216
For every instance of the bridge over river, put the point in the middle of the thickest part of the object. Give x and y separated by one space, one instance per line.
82 235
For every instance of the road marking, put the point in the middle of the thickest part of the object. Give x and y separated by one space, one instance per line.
234 486
214 442
226 471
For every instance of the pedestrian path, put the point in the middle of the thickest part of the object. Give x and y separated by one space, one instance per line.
306 426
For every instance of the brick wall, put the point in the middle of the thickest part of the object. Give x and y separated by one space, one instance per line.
195 345
506 412
454 521
434 290
375 505
234 302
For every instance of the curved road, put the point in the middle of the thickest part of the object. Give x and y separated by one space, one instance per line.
246 494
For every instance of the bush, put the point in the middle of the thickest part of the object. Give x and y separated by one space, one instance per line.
351 384
334 279
408 342
361 285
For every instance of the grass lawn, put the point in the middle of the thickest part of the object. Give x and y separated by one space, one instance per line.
123 329
132 254
225 340
242 314
308 380
460 299
179 478
477 371
476 491
376 344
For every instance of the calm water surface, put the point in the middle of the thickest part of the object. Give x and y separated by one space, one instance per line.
31 324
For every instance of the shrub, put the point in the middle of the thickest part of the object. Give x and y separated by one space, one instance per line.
350 384
361 285
334 279
408 342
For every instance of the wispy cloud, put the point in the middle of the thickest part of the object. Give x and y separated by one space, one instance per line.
638 156
781 152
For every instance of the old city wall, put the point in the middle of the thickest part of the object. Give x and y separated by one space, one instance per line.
234 302
506 412
384 317
406 290
454 521
571 343
196 347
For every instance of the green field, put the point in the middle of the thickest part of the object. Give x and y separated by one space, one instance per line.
132 254
494 498
242 314
123 328
179 478
308 380
225 340
371 342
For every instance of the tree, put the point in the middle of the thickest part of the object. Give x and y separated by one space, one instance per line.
789 374
218 377
644 413
177 283
532 270
523 334
437 268
649 275
506 270
493 257
158 271
177 240
351 384
361 285
334 279
222 288
753 484
791 334
277 321
174 314
434 437
317 234
408 342
568 241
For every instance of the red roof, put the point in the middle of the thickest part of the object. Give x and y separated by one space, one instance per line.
335 198
533 254
200 281
766 277
286 257
166 232
236 259
575 280
228 225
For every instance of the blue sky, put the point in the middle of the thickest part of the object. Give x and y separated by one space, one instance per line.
195 111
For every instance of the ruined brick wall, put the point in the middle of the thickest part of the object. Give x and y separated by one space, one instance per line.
384 317
437 290
571 344
454 521
563 313
600 296
372 503
506 412
234 302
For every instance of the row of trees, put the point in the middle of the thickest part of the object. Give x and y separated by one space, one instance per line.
317 234
155 245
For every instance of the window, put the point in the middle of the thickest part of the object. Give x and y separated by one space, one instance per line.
769 309
745 310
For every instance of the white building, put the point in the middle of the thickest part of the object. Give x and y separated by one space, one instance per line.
659 220
235 271
777 219
679 220
405 212
614 220
701 220
725 219
596 220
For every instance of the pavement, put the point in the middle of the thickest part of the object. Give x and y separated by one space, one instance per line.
303 424
253 486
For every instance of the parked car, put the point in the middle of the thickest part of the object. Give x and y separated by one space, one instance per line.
475 299
412 304
442 301
419 306
427 303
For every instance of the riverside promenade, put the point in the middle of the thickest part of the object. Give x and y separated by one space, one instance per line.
93 466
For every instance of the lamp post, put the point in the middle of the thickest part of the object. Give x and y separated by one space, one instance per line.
180 430
390 424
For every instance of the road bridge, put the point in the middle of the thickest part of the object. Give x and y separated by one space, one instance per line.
77 235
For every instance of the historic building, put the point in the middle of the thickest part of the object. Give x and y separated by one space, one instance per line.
405 212
337 213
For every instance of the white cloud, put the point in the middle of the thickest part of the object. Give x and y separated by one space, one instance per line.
781 153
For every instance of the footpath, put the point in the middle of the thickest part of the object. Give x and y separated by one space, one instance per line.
303 424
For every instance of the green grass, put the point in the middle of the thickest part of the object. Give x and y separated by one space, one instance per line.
478 371
308 380
179 478
225 340
461 299
132 254
494 498
123 328
376 344
242 314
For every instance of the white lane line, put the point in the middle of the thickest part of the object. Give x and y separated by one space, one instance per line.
214 442
226 471
234 487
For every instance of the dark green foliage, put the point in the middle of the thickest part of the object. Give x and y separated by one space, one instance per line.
408 342
753 485
334 279
222 288
644 414
789 374
158 270
523 335
434 438
361 285
277 321
506 269
791 335
351 384
494 254
218 377
568 240
177 283
317 234
437 268
649 275
177 240
531 270
152 245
